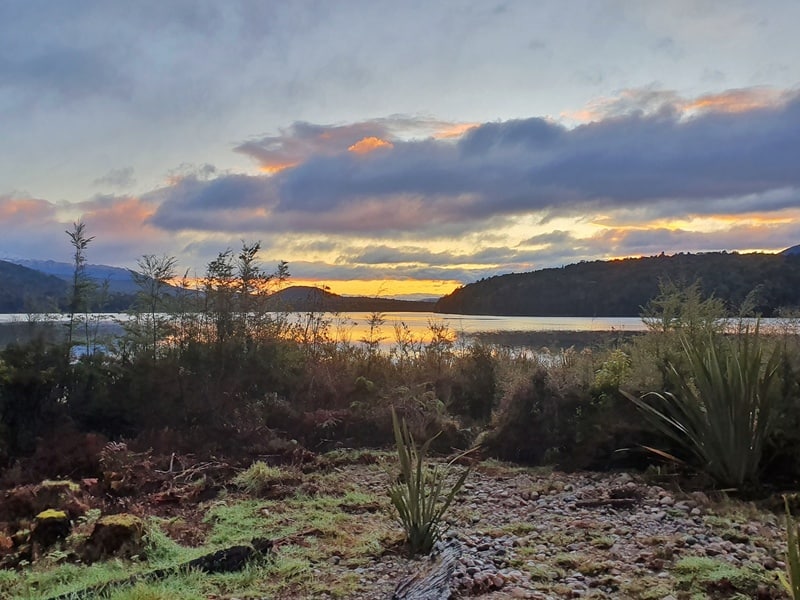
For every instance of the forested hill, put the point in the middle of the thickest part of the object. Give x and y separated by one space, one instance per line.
304 298
23 289
619 288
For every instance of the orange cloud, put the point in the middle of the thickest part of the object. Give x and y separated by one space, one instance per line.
454 131
24 209
735 101
650 101
369 144
119 216
273 168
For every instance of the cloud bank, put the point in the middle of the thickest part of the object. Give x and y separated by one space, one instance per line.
404 197
734 153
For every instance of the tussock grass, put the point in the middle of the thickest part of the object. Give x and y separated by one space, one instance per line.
722 410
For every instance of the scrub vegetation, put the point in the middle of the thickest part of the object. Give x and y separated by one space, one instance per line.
213 371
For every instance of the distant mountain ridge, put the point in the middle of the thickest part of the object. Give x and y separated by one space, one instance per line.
620 288
23 289
119 279
43 285
307 298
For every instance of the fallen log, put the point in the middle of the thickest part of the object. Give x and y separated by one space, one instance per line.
611 502
432 582
225 560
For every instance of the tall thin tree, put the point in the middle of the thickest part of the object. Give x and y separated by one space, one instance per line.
81 288
153 278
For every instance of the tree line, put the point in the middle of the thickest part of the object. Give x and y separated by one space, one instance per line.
759 284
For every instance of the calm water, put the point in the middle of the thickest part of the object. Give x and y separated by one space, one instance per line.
355 325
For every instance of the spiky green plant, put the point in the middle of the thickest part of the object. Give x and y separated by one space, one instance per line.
422 495
722 410
791 579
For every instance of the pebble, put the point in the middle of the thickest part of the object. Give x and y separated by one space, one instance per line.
543 522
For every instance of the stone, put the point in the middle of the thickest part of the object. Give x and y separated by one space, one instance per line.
120 535
49 527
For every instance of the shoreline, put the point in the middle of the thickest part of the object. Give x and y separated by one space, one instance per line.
26 331
556 339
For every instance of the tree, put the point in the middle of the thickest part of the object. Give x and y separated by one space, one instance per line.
153 278
82 286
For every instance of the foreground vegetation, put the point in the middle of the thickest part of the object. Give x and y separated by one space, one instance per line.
213 372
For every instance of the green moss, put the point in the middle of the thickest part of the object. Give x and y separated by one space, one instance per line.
51 513
61 483
126 520
703 574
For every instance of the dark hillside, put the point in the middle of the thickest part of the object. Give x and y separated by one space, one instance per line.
119 280
305 298
23 289
619 288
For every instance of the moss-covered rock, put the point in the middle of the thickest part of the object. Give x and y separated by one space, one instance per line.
25 502
49 527
120 535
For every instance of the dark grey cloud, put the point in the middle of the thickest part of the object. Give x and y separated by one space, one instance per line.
661 162
61 73
388 255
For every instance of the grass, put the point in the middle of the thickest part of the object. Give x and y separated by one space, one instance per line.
326 536
260 478
341 519
705 575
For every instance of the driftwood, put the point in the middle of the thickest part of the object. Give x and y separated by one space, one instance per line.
226 560
433 581
612 502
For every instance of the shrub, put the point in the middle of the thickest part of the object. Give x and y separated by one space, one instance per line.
422 496
791 580
721 411
475 388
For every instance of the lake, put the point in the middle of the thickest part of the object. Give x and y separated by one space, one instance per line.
355 326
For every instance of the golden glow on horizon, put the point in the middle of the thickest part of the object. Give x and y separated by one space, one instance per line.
369 144
371 288
709 223
382 287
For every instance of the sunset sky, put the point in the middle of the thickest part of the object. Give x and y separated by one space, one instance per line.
387 147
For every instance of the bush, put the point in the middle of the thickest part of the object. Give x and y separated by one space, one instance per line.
474 390
722 409
31 391
536 422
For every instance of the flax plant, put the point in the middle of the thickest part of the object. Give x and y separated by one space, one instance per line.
722 410
422 494
791 581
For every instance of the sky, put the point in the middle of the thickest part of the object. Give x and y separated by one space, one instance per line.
392 148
